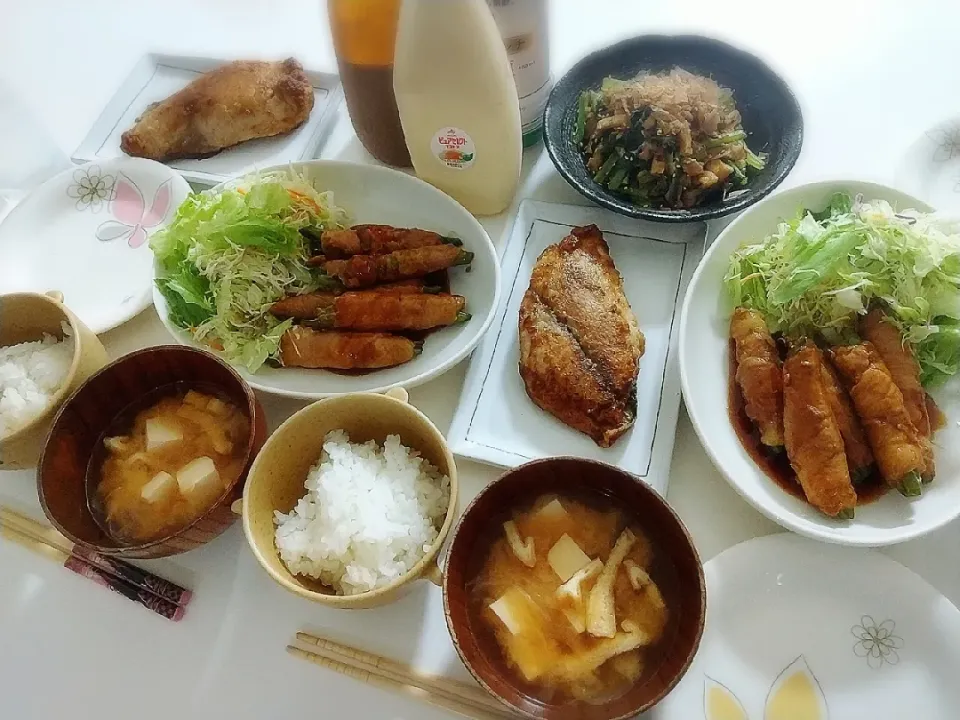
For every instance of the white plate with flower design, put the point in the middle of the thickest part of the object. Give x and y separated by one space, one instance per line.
930 169
801 630
84 233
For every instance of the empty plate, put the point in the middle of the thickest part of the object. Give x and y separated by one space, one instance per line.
930 169
84 233
801 630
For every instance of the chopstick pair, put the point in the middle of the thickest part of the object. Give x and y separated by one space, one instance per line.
154 593
457 697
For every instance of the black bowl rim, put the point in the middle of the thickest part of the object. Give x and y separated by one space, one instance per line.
253 406
655 497
704 212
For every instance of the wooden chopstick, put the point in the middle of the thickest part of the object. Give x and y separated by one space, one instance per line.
388 682
473 699
122 571
377 663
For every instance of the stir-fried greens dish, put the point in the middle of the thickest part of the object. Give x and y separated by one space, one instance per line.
842 318
667 140
267 270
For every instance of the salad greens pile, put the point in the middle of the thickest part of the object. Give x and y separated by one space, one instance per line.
820 270
230 254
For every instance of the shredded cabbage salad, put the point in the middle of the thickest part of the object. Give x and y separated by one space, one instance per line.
820 270
230 254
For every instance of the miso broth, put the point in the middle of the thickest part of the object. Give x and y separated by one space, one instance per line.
166 462
542 614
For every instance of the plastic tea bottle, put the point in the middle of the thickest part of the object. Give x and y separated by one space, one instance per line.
523 25
364 34
458 102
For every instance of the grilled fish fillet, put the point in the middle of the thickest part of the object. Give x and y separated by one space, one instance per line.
580 346
239 101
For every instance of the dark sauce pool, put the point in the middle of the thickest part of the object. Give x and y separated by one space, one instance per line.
776 465
662 572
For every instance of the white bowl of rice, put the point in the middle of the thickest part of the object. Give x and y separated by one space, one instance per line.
45 354
350 500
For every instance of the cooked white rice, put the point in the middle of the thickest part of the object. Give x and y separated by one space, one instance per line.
369 515
30 374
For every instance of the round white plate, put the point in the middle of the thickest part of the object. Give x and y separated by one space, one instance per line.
704 332
373 194
798 630
930 169
84 233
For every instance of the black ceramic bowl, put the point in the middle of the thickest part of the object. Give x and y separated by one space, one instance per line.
771 115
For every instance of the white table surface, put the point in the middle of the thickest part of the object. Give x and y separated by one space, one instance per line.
871 75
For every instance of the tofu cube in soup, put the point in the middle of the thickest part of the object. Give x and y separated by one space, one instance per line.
161 433
162 484
566 557
198 476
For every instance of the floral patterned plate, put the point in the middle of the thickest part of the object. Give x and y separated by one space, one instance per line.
799 630
84 233
930 169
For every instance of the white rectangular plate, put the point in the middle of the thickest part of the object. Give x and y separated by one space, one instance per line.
156 77
497 423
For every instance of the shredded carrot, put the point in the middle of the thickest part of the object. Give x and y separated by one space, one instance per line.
304 199
241 191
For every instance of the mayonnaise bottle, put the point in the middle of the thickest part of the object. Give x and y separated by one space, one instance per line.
458 102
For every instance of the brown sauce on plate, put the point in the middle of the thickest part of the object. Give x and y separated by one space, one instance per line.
776 465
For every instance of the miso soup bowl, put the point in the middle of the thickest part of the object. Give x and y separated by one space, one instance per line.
27 317
671 544
277 478
78 430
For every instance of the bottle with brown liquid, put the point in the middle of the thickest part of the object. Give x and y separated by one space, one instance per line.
364 36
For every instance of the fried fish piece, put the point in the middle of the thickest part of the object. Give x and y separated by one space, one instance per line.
758 374
361 271
231 104
905 371
811 435
562 380
307 348
859 455
580 284
580 346
376 310
378 240
895 441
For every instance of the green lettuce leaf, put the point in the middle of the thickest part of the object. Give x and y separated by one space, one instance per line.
820 270
229 255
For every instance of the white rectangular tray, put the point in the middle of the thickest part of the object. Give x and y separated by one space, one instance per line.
156 77
495 421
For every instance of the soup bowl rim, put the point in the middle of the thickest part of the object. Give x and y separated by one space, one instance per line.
510 476
251 411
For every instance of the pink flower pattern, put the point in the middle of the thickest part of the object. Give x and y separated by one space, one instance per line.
132 217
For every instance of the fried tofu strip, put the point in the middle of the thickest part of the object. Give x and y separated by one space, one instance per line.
377 240
859 454
306 348
758 374
813 441
895 441
380 311
905 371
362 271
